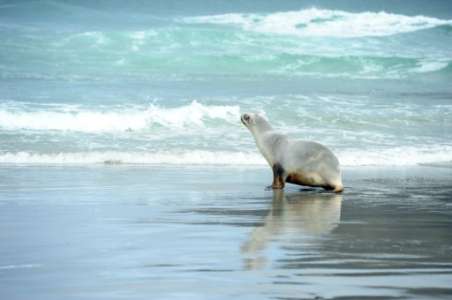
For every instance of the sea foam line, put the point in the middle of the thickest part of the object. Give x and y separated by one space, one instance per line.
115 119
397 156
21 266
195 157
324 22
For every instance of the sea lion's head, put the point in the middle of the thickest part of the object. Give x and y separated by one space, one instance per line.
255 122
247 119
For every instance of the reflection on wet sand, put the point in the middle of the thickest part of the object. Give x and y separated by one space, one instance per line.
292 216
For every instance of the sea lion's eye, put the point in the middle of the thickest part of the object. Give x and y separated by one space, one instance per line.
246 117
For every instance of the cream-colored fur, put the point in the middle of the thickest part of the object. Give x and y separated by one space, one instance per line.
295 161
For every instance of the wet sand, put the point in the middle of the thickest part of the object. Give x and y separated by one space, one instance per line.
148 232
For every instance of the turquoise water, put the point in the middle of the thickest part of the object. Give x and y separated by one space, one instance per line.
167 82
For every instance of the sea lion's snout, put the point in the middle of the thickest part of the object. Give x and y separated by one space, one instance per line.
245 118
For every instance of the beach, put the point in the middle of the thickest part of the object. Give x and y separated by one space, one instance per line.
191 232
126 172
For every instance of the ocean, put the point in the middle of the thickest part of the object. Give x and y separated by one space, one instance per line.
165 82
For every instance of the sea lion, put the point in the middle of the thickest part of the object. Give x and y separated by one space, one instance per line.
294 161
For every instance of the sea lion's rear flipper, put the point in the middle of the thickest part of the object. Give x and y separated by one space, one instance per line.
334 188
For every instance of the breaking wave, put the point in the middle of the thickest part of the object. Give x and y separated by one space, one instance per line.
121 118
325 23
334 44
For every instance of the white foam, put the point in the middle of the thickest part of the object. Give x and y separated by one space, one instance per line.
23 266
430 66
195 157
398 156
323 22
139 38
98 37
114 119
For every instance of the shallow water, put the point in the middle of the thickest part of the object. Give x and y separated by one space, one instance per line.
110 232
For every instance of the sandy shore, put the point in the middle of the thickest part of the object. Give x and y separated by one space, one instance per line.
144 232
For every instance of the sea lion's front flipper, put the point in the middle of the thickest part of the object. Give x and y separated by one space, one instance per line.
278 176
